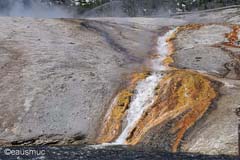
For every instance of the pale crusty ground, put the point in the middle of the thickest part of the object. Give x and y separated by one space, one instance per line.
217 132
58 76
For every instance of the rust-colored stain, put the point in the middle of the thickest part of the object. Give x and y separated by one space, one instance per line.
113 121
232 37
232 41
171 47
190 27
179 92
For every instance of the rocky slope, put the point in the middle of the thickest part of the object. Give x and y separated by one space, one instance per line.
206 49
59 77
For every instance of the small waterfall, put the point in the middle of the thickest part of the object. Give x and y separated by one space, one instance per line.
143 98
145 89
158 98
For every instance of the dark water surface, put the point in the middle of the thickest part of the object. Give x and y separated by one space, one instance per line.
99 153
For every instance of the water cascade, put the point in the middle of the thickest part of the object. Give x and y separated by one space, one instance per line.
157 97
143 94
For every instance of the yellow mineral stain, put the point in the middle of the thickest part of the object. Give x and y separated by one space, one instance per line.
113 121
135 77
180 93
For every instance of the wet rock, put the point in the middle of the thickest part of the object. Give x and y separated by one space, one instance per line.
43 102
208 50
183 97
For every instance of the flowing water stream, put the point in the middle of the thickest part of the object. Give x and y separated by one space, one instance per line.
142 99
145 89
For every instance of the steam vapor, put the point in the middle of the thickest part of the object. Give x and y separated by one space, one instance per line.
33 8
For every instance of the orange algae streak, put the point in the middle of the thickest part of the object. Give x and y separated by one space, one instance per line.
171 48
136 77
232 37
113 121
180 93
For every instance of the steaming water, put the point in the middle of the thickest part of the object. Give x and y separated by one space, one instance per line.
145 90
33 8
157 64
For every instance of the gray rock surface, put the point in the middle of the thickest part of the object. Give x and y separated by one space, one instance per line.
195 50
217 132
58 76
